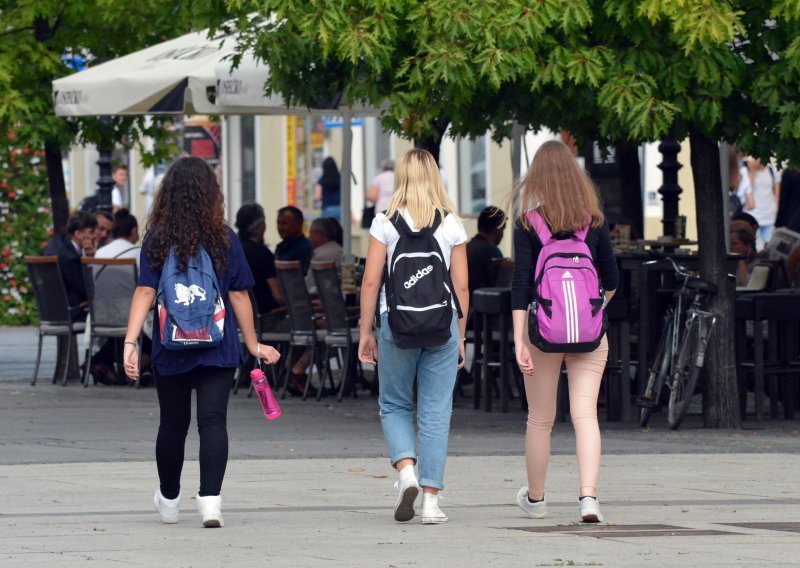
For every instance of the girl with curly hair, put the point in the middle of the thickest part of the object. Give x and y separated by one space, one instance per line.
188 214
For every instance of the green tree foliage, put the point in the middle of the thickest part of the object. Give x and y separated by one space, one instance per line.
36 35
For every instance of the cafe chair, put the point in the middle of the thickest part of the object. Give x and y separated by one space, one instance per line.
303 322
774 354
505 273
340 337
491 310
110 284
55 313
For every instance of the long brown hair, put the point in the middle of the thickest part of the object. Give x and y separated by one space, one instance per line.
188 211
559 190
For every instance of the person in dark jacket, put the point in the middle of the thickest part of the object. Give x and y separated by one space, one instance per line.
482 249
558 189
69 247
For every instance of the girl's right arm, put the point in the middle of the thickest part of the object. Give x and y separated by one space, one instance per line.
370 286
140 304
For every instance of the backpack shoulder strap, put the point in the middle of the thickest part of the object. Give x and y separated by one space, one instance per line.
539 226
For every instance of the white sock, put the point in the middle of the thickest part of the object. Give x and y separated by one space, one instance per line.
407 473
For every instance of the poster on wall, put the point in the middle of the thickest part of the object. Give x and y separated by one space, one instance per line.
202 138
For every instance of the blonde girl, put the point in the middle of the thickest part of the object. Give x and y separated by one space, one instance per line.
420 199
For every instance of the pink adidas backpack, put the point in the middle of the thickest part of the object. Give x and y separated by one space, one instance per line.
566 314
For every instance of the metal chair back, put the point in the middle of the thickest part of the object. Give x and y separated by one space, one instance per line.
110 284
298 300
48 289
329 289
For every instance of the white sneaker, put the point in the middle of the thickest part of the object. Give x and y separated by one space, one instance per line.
536 510
210 509
431 513
169 509
407 490
590 510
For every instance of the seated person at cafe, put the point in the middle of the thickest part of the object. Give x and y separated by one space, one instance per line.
251 226
124 236
743 242
102 232
323 234
78 241
483 249
295 245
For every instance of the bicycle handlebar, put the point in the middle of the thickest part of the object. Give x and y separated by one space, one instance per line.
680 270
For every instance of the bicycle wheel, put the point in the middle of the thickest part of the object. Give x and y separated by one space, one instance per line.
684 379
657 375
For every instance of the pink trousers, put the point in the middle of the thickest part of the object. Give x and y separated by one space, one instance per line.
584 371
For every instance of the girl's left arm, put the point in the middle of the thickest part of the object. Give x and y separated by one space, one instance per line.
459 276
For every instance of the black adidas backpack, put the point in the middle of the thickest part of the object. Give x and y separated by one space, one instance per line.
418 288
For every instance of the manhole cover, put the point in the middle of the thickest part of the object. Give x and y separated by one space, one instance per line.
767 526
618 531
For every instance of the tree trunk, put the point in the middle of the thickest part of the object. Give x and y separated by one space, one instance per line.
630 182
720 393
433 142
58 189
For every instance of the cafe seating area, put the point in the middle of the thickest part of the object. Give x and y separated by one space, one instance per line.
326 324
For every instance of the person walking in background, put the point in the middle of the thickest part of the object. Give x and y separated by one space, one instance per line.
766 187
295 245
421 211
382 188
557 189
119 193
328 190
188 219
789 203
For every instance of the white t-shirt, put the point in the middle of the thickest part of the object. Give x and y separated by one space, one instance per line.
449 234
744 185
385 183
119 248
766 206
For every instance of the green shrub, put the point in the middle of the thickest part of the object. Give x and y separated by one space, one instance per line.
26 226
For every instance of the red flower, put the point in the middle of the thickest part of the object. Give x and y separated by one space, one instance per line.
25 151
12 194
13 282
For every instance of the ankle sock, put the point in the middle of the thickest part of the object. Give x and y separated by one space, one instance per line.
535 500
585 496
407 473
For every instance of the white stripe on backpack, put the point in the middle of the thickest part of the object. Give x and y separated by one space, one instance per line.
571 311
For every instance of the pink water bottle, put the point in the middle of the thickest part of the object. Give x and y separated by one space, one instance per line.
264 392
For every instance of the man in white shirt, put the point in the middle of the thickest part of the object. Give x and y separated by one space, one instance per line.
120 189
125 235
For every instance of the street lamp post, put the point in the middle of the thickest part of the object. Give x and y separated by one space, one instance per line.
670 190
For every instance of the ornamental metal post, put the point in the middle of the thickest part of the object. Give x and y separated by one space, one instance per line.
670 190
105 183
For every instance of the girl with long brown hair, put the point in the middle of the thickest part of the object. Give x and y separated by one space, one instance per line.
187 215
564 197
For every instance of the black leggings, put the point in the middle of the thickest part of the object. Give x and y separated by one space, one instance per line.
213 385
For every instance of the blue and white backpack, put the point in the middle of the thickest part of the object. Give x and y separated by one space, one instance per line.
191 312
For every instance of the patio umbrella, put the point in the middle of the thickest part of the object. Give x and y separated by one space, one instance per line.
173 77
181 76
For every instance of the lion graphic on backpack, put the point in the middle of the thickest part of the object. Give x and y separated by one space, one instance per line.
186 294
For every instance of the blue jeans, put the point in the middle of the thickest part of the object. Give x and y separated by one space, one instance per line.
764 234
435 370
333 211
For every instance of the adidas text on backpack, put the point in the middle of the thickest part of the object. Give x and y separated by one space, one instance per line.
418 288
566 315
191 313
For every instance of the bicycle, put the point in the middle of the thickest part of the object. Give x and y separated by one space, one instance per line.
679 357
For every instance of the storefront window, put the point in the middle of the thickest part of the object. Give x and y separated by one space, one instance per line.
472 191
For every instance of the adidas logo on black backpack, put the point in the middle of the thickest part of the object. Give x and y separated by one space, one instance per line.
418 288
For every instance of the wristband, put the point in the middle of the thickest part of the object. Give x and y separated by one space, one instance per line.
130 343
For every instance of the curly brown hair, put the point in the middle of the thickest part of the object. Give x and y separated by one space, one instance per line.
188 212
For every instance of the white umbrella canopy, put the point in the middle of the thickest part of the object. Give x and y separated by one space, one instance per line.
173 77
